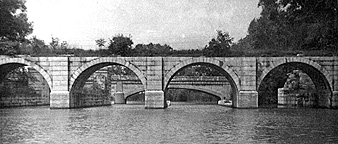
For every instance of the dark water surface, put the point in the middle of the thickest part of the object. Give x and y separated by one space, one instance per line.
177 124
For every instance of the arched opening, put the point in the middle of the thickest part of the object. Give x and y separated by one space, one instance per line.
22 85
136 97
103 83
294 84
205 78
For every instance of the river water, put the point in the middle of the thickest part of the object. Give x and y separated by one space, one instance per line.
176 124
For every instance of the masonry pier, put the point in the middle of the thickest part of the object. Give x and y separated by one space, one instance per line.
119 94
60 99
155 100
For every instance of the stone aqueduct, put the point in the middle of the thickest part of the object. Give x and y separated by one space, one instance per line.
217 86
65 75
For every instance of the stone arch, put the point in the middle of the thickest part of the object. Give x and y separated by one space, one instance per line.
208 91
318 74
285 60
88 68
202 60
18 62
130 93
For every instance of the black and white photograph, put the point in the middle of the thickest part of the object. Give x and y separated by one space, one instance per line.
168 71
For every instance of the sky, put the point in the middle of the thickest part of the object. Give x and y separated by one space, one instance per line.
182 24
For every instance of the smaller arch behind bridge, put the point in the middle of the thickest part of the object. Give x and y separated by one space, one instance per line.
231 75
217 64
79 76
87 69
132 92
220 89
215 93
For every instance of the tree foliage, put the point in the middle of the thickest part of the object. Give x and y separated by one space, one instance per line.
152 50
54 44
295 25
100 42
14 25
14 22
120 45
219 46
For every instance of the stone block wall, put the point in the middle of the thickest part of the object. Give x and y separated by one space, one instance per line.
22 100
335 99
302 99
33 93
90 100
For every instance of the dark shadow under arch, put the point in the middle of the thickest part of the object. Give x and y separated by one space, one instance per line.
135 93
81 79
213 94
276 78
233 83
9 64
42 96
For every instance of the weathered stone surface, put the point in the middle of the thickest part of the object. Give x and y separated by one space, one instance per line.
246 99
119 87
323 98
59 99
154 100
119 98
335 99
79 100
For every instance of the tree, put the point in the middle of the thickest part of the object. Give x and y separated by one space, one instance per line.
120 45
100 42
14 25
37 45
32 46
152 50
219 46
54 44
8 47
295 25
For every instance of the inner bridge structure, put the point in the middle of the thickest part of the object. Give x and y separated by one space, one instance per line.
122 89
66 76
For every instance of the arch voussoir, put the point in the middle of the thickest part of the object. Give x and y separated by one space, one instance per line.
298 60
38 68
212 61
105 60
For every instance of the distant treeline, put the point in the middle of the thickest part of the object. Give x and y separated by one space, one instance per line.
284 28
215 48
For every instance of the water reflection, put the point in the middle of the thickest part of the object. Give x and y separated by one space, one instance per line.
177 124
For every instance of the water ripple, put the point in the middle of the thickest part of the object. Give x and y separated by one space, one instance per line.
177 124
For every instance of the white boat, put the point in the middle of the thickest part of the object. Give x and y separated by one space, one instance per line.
225 102
168 103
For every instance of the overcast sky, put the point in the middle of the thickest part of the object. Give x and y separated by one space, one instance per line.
183 24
